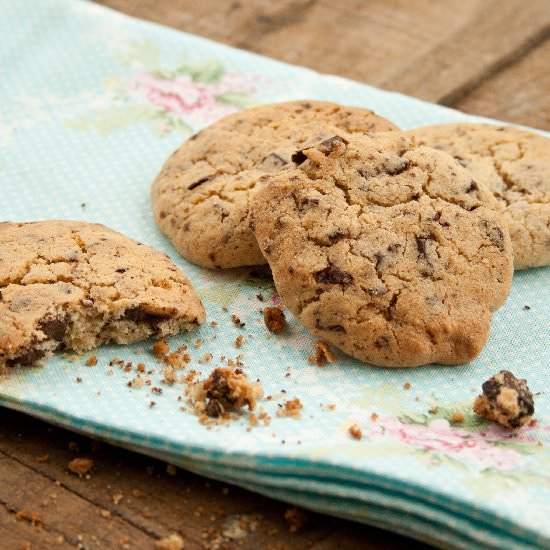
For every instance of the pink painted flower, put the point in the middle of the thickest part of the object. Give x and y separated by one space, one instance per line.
195 102
438 436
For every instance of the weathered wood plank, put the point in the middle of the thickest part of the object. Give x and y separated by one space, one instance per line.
20 534
520 93
60 512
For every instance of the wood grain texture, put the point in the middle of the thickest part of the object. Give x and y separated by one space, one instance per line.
520 93
130 501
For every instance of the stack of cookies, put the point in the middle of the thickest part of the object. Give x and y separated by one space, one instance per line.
396 247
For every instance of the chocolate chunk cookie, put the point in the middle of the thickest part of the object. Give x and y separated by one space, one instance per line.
515 166
201 196
387 250
75 285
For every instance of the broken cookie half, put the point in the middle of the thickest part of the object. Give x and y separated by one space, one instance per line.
75 285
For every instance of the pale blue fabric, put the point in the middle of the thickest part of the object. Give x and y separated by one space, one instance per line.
92 102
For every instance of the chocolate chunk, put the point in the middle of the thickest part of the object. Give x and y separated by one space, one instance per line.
54 328
214 408
382 342
337 236
401 167
298 157
473 187
306 202
331 328
27 358
138 315
121 270
333 275
421 245
218 388
198 182
495 234
329 145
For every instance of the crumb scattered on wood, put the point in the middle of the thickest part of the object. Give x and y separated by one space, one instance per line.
81 466
172 542
295 518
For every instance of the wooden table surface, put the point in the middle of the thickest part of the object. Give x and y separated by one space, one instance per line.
489 57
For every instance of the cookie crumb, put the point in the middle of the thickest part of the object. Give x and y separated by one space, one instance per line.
323 354
237 321
91 361
239 341
161 348
291 408
296 518
407 386
169 374
42 458
137 382
171 470
457 418
374 417
355 431
105 514
527 307
80 466
274 319
172 542
223 391
505 400
117 498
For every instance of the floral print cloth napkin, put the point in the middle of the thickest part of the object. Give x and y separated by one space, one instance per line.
92 104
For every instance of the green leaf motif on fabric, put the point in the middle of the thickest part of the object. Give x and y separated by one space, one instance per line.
181 99
238 99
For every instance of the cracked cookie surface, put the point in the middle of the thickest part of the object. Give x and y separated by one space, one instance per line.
515 166
201 197
385 249
76 285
